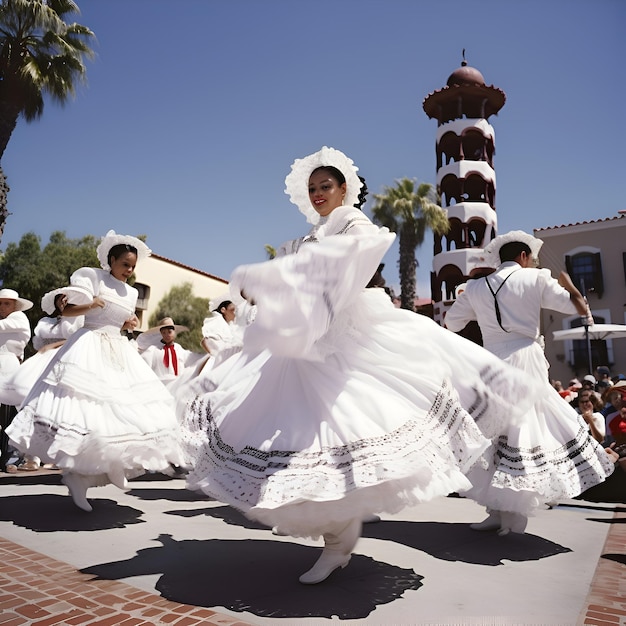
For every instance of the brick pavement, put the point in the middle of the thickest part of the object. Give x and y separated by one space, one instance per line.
606 601
40 591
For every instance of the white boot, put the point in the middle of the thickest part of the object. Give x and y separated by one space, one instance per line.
490 523
512 523
337 551
77 485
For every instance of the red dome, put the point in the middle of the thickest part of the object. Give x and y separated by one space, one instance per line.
465 75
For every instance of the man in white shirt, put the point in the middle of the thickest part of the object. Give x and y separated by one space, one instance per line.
14 335
166 357
507 306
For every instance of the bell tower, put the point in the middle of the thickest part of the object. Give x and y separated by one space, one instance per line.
466 179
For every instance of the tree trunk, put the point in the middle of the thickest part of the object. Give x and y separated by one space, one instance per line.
9 114
8 121
4 212
408 268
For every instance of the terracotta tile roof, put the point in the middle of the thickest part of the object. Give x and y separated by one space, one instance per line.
604 219
187 267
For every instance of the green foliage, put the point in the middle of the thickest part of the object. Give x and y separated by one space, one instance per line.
409 212
184 308
33 270
41 54
270 251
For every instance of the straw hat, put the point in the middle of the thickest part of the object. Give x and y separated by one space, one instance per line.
10 294
166 322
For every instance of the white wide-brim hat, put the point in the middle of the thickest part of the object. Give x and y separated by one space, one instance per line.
297 181
492 250
75 295
166 322
22 304
113 239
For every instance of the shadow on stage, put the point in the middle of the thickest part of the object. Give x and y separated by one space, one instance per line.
49 513
261 577
442 540
172 495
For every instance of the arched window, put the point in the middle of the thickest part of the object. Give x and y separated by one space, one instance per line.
585 268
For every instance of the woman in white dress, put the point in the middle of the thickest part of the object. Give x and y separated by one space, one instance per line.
50 333
222 336
341 406
98 411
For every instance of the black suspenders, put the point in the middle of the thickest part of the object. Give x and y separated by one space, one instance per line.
495 300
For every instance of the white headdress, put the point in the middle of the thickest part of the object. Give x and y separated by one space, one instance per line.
75 295
492 250
297 181
113 239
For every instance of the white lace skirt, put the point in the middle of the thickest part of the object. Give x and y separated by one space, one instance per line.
98 408
549 455
378 414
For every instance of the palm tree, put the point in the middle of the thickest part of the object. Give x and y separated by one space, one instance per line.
40 54
409 212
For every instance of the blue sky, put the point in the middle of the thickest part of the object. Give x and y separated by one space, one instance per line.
194 111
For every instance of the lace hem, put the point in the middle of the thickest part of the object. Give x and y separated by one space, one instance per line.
521 479
70 446
423 459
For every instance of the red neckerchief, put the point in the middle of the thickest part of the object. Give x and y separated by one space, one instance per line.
167 348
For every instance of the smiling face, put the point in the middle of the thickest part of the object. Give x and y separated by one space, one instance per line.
123 266
325 192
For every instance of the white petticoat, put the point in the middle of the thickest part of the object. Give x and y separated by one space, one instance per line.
98 408
341 405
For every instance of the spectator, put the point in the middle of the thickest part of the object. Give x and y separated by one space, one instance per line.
567 394
614 400
604 378
589 407
589 382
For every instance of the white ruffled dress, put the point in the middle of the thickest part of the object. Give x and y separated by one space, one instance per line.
339 404
98 408
547 457
15 387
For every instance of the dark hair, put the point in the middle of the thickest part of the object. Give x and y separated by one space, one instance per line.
332 171
510 251
362 194
222 305
597 403
57 311
116 251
